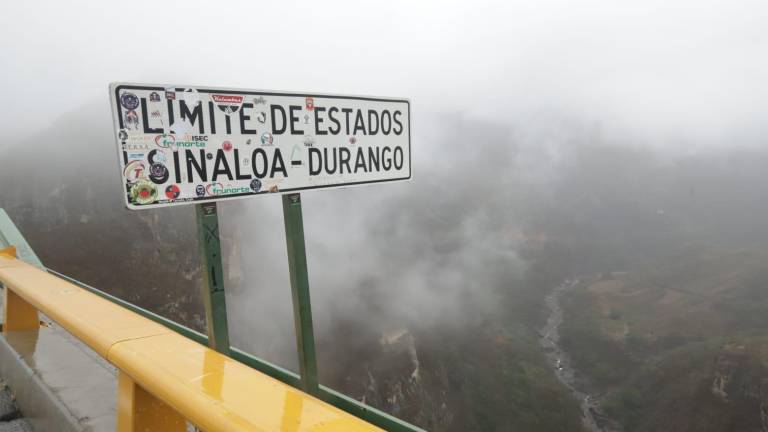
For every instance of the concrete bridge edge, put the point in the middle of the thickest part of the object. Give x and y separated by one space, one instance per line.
39 405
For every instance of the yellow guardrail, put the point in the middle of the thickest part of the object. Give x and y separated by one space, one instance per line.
164 379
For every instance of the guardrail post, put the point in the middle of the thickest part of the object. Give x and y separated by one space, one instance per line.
302 309
139 411
18 315
213 277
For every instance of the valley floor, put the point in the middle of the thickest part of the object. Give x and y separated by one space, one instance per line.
678 346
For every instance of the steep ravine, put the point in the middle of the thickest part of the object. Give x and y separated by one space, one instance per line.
549 339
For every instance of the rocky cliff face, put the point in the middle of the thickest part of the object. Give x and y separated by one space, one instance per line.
741 381
398 385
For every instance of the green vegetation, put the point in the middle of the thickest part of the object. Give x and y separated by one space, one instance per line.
498 374
693 355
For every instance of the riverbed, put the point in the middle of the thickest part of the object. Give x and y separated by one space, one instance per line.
549 339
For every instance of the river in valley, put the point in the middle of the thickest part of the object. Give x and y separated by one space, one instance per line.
549 339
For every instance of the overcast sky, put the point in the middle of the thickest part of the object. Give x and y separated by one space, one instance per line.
684 73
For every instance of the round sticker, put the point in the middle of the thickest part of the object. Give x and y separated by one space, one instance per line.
143 192
158 173
226 145
266 138
134 171
172 191
129 101
255 185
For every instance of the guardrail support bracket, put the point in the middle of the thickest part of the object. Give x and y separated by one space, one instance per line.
139 411
18 315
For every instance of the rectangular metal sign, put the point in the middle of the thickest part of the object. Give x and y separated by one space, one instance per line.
181 145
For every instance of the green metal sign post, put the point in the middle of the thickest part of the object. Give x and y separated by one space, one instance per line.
213 277
302 309
213 285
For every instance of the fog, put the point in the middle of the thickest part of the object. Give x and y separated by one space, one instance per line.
551 140
686 74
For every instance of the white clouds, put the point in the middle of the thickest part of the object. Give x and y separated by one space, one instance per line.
665 71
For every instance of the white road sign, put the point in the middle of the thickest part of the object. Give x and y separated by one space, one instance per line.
181 145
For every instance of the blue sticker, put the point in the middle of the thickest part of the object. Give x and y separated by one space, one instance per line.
200 190
129 101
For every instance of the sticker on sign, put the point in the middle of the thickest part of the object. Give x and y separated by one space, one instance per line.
181 144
